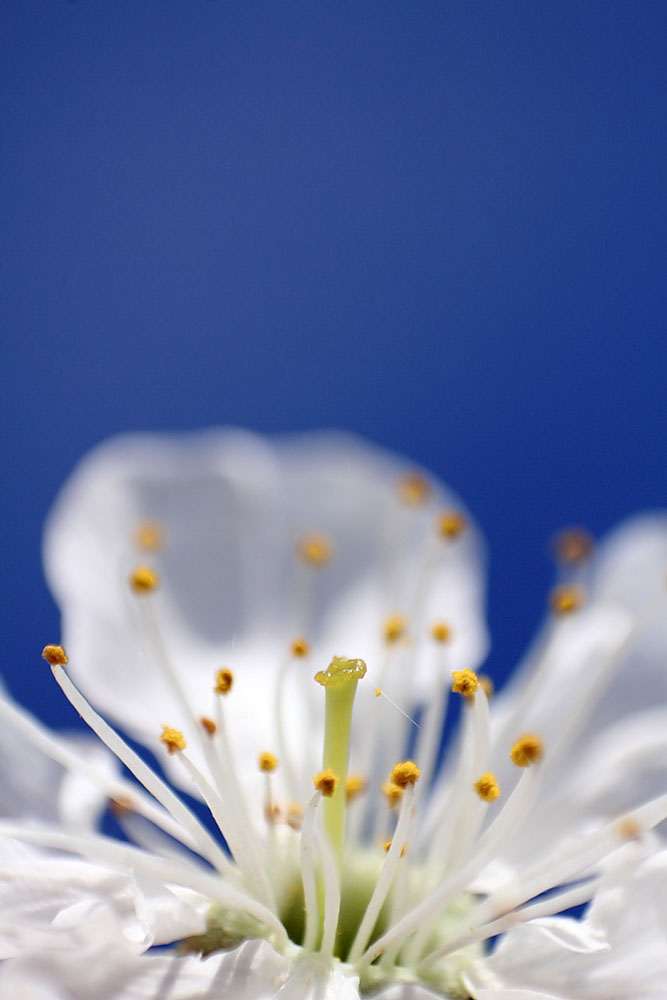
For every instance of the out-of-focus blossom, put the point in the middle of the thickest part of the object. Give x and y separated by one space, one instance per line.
204 581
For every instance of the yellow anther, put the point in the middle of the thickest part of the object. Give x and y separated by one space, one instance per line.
387 845
224 679
404 774
143 579
326 782
267 761
441 632
466 682
209 725
486 685
451 524
294 816
55 655
340 671
172 739
272 813
564 600
487 788
149 536
629 828
527 750
378 692
414 488
572 546
300 647
355 785
394 628
121 805
392 793
315 550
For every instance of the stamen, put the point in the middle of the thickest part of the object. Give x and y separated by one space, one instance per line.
300 647
206 845
143 580
172 739
315 550
224 680
414 489
308 877
149 535
404 774
208 725
396 851
355 786
451 524
267 761
486 685
572 546
565 600
114 787
465 682
326 783
527 750
392 793
294 816
487 787
441 632
55 655
488 847
395 628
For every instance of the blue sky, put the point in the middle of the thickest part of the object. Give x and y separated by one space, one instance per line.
440 224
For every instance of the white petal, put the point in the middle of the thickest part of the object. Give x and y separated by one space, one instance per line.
103 968
43 894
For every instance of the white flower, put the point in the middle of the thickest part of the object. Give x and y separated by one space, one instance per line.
203 581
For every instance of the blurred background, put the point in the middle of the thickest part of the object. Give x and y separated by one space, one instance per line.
439 224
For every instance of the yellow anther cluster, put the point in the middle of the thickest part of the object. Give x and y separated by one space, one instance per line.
466 682
173 739
441 632
487 788
572 546
326 782
341 671
224 679
267 761
392 793
355 785
300 647
387 845
149 535
414 488
486 685
564 600
451 524
143 579
404 774
209 725
395 627
294 816
527 750
315 550
55 655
